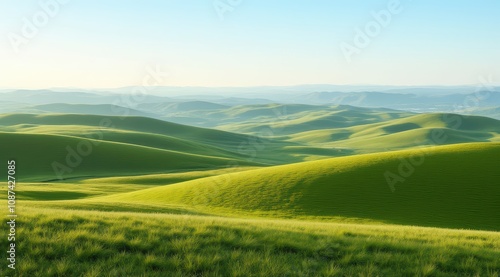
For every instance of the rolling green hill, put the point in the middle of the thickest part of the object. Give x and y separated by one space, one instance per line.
385 134
129 123
145 196
131 137
455 186
290 119
493 112
42 157
253 118
408 132
75 124
160 134
258 113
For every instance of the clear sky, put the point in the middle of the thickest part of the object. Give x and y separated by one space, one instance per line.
99 43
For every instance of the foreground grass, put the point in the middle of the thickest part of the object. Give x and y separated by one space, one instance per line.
53 242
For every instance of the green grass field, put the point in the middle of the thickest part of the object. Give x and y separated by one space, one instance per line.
65 242
153 198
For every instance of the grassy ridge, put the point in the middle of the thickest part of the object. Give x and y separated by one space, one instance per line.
444 190
417 130
388 132
96 158
129 123
291 119
163 135
132 137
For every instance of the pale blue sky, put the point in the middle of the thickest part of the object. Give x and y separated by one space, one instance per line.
97 43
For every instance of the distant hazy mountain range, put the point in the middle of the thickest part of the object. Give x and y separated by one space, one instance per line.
166 102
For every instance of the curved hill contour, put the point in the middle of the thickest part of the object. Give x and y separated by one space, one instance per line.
41 157
455 186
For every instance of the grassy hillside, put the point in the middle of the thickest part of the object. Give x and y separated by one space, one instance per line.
145 197
252 119
97 243
160 134
129 123
130 137
493 112
259 113
36 155
82 188
357 130
290 119
417 130
418 137
445 190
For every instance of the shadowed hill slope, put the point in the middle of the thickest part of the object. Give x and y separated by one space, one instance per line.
43 157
